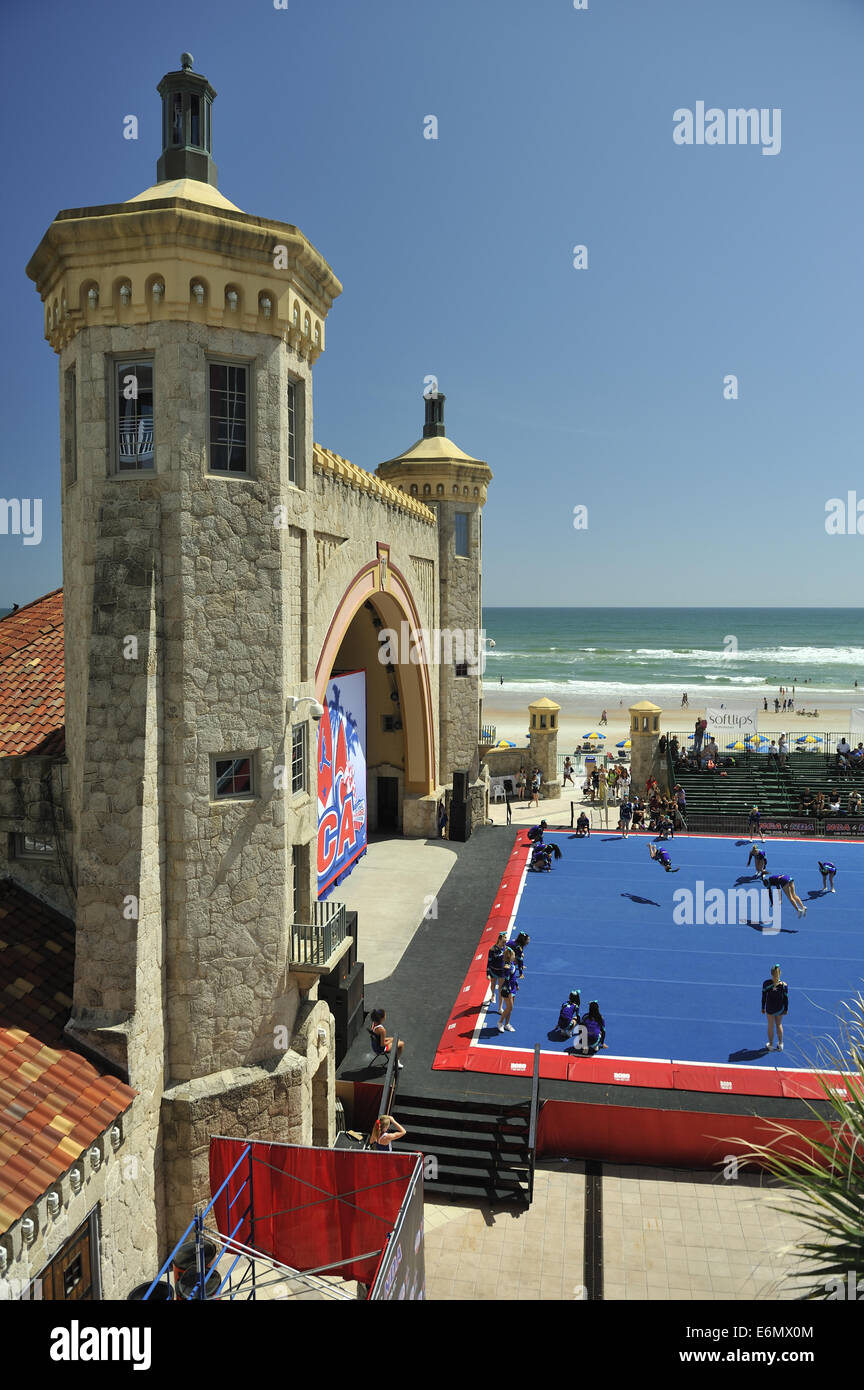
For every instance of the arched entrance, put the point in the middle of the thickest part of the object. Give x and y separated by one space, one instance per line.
400 732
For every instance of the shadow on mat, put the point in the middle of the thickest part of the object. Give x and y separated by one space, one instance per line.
747 878
748 1054
635 898
770 928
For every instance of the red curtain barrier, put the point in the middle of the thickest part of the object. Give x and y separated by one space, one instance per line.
311 1207
667 1138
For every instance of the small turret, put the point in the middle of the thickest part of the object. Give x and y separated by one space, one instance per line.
187 99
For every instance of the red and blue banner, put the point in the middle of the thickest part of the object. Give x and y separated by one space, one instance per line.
342 806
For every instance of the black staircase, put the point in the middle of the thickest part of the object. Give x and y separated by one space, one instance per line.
472 1148
479 1149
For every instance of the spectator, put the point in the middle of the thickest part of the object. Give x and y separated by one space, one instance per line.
853 807
583 825
381 1044
782 750
834 802
384 1132
535 786
805 802
698 735
568 773
520 784
442 820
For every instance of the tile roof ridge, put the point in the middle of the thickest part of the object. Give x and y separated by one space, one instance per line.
22 608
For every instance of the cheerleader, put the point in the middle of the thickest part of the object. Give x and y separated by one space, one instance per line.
661 856
827 870
784 883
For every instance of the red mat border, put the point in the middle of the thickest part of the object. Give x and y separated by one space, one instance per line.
458 1052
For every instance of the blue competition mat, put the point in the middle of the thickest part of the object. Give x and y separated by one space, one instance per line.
604 921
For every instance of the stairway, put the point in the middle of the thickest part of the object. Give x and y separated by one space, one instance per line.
481 1149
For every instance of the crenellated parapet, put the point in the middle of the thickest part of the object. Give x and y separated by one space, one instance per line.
182 252
334 466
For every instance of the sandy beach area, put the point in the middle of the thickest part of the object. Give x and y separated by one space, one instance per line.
511 721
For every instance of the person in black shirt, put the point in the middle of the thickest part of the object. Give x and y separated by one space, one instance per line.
775 1006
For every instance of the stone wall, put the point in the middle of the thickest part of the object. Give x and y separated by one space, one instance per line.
460 696
34 800
123 1191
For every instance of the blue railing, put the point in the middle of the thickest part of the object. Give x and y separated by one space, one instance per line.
197 1224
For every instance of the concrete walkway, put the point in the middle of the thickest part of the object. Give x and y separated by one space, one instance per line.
394 890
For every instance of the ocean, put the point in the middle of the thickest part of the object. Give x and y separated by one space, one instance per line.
602 656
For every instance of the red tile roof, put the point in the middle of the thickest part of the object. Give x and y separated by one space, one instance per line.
53 1103
32 704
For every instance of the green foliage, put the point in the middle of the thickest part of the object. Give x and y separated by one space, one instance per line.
826 1177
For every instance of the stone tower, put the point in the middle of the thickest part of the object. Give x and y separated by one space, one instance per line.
436 471
186 330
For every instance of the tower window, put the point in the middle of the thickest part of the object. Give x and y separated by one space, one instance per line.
70 430
133 396
292 432
298 759
460 533
33 847
231 777
461 668
195 121
229 397
177 119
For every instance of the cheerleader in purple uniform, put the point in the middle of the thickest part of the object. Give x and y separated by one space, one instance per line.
662 857
827 870
784 883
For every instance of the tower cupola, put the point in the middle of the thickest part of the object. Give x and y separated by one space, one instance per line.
187 100
433 427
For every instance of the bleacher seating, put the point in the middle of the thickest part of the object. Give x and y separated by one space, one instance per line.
776 788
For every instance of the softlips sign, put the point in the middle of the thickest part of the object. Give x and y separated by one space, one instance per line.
733 719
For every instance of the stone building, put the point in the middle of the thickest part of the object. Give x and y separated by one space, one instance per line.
219 567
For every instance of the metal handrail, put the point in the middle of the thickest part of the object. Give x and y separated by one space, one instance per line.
313 943
532 1126
391 1082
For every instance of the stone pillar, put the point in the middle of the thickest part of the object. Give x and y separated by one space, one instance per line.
543 744
645 761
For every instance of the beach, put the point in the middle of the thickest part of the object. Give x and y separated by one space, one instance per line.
590 659
509 715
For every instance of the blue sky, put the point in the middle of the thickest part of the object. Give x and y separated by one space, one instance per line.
601 387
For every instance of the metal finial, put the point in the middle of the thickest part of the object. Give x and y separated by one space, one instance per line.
186 61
